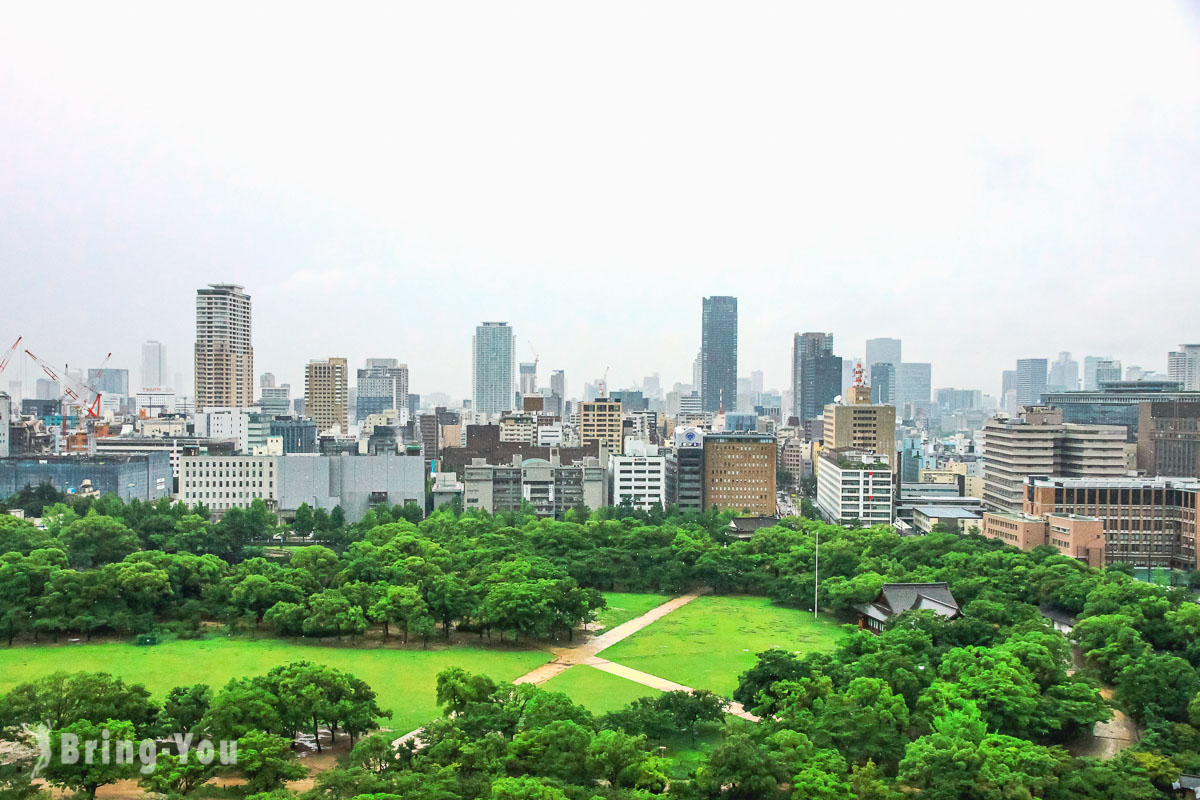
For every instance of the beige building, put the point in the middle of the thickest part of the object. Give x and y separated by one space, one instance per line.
224 355
739 472
861 426
601 421
1038 442
325 394
1073 535
518 428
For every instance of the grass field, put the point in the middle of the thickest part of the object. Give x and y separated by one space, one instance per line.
709 642
404 680
624 606
597 691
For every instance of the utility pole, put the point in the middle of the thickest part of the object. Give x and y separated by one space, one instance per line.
816 571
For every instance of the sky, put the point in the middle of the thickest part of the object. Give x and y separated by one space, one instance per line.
985 183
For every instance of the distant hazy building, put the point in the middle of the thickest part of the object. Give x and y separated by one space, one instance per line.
883 351
718 353
883 384
492 368
299 434
154 366
915 383
1090 363
1108 371
1183 365
109 381
325 394
275 400
1064 374
6 415
381 386
528 384
1030 381
1117 403
816 374
224 352
951 399
558 383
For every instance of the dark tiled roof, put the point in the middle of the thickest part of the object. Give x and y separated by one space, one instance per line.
900 597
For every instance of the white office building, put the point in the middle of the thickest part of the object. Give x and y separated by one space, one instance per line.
225 423
639 475
854 485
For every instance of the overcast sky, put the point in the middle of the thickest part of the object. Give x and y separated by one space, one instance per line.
986 186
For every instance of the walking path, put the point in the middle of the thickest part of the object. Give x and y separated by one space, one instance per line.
587 653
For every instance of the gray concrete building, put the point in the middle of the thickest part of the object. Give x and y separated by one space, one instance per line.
551 487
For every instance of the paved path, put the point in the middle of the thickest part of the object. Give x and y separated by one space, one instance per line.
588 650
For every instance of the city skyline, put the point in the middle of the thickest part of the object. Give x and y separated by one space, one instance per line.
960 202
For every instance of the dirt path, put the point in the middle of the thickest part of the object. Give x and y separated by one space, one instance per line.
587 651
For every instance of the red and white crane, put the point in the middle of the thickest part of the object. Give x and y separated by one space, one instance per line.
85 397
8 355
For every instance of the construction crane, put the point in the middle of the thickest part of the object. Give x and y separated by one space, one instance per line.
8 355
536 357
83 396
604 383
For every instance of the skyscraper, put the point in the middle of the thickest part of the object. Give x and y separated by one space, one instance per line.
1030 381
816 374
325 394
492 368
883 351
224 353
883 384
718 354
154 366
1183 365
1064 374
528 378
558 383
915 383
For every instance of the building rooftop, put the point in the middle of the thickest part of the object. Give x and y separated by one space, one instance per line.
1124 482
947 512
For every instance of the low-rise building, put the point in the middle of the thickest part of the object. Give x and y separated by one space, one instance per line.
356 483
854 485
959 520
145 477
550 487
1073 535
639 476
896 598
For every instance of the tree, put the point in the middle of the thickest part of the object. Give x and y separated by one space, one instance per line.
740 770
267 761
87 772
304 522
62 699
1157 683
617 757
97 540
174 775
524 789
692 709
403 606
330 612
558 750
184 708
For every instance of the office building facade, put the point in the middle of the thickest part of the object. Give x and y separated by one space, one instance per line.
326 394
600 421
816 374
854 485
381 386
1030 381
740 472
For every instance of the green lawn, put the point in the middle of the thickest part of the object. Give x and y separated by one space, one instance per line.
709 642
624 606
596 690
404 680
